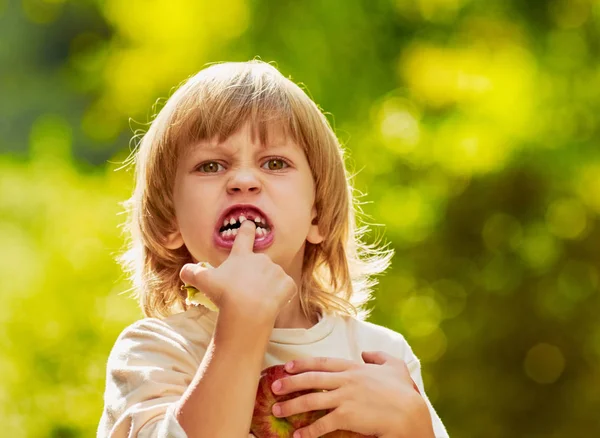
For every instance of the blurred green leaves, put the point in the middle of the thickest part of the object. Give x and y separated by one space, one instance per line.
59 288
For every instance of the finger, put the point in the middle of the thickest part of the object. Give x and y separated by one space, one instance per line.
198 276
329 364
376 357
381 357
190 271
322 426
313 401
244 240
307 380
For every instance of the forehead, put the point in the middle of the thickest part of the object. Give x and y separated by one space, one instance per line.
274 137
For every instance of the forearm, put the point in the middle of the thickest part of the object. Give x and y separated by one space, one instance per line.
220 399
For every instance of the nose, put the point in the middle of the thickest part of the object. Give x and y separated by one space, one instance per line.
244 180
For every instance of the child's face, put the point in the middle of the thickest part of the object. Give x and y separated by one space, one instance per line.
212 177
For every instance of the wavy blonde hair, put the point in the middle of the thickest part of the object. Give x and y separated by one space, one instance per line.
214 104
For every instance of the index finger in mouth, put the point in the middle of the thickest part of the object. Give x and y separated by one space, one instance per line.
244 240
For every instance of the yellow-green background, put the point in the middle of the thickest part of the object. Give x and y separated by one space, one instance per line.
472 125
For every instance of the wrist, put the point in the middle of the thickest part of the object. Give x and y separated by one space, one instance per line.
422 419
246 319
416 421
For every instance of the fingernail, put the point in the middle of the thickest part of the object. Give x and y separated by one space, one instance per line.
276 386
297 434
277 410
289 366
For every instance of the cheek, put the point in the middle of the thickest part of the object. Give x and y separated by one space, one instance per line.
298 213
196 211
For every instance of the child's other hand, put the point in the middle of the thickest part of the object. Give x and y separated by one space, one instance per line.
377 397
246 283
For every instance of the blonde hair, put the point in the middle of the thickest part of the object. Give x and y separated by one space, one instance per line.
215 103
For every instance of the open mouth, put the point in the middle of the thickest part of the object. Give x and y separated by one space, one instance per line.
233 221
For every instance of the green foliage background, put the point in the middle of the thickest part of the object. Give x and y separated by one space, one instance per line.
473 125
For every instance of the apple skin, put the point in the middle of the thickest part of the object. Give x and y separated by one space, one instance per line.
266 425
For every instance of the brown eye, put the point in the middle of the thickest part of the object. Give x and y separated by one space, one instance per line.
276 164
209 167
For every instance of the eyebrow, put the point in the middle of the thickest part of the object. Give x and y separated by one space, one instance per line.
211 147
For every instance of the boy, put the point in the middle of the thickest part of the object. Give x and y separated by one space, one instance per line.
241 181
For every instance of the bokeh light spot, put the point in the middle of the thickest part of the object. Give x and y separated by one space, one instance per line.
431 346
463 147
588 185
420 315
18 247
501 275
567 218
398 120
451 296
501 232
569 14
544 363
144 62
438 11
539 249
552 302
401 130
578 280
407 212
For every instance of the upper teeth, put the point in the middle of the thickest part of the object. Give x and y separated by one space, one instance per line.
232 220
261 226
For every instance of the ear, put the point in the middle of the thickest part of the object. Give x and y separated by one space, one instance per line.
174 240
314 235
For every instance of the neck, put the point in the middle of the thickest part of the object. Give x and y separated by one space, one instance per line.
291 316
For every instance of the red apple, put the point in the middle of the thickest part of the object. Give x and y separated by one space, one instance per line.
266 425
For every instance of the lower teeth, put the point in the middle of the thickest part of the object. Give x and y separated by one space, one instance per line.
259 232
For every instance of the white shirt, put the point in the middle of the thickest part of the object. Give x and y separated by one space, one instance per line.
154 360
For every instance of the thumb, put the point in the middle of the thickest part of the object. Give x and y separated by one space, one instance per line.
191 273
376 357
197 280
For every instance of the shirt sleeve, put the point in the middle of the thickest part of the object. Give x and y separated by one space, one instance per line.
148 370
414 367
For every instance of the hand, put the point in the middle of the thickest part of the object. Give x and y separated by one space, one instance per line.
245 283
374 398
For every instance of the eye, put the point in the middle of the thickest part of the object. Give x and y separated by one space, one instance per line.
209 167
276 164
